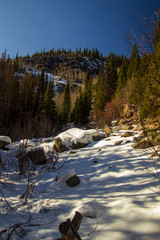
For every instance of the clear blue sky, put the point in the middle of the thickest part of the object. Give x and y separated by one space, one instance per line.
27 26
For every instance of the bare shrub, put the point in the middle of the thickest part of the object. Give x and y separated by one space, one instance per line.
24 162
112 112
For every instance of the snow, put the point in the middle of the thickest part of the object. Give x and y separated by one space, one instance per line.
116 194
5 139
75 135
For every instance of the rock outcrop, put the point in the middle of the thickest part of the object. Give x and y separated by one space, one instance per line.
4 140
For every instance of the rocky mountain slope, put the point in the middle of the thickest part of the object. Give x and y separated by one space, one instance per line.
67 67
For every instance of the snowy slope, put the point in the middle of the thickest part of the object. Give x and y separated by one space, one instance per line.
113 195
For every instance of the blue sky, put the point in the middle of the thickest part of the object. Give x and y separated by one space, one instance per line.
27 26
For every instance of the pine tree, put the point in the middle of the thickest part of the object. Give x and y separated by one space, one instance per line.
66 106
87 95
151 96
99 102
41 88
48 106
99 98
110 77
122 78
139 82
133 63
77 115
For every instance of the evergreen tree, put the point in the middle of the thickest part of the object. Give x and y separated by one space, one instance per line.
151 96
77 115
139 82
133 63
110 77
122 78
99 102
48 107
41 88
66 106
87 95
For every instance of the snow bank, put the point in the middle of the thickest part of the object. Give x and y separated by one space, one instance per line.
75 136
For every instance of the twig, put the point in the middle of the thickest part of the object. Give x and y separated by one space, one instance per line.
15 226
88 234
6 199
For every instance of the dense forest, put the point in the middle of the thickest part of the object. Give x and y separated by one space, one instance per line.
30 106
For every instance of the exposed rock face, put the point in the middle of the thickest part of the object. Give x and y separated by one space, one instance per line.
4 140
65 66
129 116
73 181
128 111
37 156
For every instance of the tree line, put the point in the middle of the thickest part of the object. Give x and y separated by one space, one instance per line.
86 52
28 104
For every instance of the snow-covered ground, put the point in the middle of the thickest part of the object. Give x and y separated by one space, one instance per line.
116 195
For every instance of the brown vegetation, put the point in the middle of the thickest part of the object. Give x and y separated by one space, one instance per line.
111 112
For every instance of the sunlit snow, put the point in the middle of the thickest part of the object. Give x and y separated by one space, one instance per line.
115 196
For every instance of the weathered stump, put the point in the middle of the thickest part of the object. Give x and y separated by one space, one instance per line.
69 229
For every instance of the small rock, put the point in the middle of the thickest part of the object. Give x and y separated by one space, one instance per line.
72 152
126 141
73 181
96 138
118 142
95 161
127 134
107 139
79 145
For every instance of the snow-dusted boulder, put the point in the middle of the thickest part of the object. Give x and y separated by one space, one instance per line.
4 140
37 156
77 138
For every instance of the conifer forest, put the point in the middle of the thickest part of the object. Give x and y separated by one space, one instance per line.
44 93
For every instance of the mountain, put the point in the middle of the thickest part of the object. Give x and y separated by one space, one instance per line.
68 67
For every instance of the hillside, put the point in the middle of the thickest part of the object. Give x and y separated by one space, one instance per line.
43 94
70 68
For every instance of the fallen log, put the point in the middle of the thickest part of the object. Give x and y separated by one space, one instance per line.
69 229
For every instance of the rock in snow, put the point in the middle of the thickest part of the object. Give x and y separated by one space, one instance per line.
77 138
4 140
37 156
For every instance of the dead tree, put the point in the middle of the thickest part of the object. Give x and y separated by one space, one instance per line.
69 229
